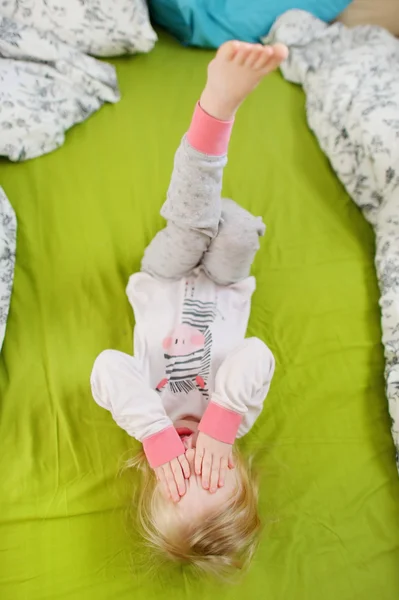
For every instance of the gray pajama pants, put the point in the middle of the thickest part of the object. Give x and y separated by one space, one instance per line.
202 228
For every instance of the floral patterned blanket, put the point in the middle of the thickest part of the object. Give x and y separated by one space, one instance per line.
351 81
8 233
46 86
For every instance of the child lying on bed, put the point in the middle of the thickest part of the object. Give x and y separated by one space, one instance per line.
195 383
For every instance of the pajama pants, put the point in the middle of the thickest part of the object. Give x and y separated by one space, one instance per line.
202 228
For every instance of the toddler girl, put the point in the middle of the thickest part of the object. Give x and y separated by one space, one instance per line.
195 383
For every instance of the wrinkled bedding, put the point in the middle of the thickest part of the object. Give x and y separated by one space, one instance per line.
351 81
322 447
97 27
46 87
8 226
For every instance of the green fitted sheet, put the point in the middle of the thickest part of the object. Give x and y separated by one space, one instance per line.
329 487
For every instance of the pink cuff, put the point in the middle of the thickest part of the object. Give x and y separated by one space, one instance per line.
220 423
207 134
163 446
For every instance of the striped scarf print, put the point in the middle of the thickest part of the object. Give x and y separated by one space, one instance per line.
191 371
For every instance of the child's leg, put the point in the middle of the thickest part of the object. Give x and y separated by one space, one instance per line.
192 209
230 255
193 205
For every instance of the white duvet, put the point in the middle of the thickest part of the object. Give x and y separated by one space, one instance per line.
351 81
46 86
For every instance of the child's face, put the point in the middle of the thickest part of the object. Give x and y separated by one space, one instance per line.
200 502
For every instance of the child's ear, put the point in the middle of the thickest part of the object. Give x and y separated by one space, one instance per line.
167 342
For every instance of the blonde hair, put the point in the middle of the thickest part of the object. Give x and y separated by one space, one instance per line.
220 544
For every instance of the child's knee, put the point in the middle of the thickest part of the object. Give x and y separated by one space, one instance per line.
238 242
239 229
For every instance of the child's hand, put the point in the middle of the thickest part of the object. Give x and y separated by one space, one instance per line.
171 477
212 458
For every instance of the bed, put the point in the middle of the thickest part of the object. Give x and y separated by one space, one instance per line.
323 449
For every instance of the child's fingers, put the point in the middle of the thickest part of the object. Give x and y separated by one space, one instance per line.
222 474
199 453
171 482
184 465
215 472
164 484
231 461
206 470
178 476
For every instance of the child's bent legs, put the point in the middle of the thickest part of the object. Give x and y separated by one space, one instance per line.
231 253
193 205
174 252
192 209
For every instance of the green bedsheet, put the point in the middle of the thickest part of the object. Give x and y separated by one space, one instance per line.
329 487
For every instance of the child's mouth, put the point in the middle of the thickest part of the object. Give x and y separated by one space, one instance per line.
182 431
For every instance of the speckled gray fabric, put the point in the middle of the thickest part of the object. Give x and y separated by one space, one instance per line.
202 227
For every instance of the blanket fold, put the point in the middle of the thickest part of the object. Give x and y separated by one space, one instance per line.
46 86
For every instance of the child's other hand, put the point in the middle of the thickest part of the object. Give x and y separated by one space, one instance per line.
172 477
212 458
